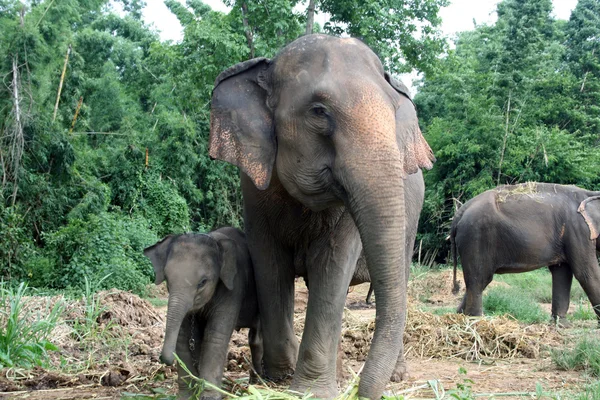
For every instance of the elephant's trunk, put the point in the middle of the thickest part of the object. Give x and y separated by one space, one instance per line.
176 311
376 200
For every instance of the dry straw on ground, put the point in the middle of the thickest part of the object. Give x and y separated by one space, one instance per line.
454 335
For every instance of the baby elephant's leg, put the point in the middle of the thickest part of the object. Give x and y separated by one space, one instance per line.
188 336
213 351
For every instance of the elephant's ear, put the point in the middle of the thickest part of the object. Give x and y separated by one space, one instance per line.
229 262
417 153
590 211
157 253
241 124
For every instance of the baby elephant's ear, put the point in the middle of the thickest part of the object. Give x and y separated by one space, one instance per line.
157 253
229 265
590 211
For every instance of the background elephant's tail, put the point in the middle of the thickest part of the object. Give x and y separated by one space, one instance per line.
456 284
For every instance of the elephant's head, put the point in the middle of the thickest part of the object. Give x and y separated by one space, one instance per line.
336 129
193 265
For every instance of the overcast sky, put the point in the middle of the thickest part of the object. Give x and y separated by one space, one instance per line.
457 17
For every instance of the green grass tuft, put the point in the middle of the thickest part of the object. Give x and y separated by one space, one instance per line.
519 304
24 335
584 356
584 311
591 392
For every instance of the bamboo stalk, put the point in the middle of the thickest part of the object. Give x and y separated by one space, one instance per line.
505 139
79 103
62 78
17 141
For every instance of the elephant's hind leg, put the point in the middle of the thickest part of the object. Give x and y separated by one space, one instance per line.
476 280
562 277
587 272
255 341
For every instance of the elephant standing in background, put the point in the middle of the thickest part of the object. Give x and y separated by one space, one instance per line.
325 140
524 227
211 293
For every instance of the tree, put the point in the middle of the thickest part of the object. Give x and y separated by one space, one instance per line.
404 33
500 109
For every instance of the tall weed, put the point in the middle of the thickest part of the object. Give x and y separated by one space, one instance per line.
24 334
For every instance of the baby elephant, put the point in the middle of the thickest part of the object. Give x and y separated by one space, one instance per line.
211 293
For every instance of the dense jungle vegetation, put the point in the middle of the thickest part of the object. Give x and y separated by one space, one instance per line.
104 127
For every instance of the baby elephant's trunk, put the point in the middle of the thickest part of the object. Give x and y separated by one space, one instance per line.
176 312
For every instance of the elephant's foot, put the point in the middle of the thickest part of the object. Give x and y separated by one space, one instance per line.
319 388
400 372
210 396
561 322
280 376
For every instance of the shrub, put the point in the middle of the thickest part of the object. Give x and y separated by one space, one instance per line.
15 244
24 336
105 244
585 355
515 302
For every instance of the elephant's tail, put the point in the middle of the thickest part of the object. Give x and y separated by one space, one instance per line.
456 284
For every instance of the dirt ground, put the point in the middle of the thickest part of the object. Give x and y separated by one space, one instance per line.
120 359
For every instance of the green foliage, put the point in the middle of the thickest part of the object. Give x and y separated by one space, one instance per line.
104 248
585 355
464 389
403 33
584 311
15 244
88 329
519 304
24 334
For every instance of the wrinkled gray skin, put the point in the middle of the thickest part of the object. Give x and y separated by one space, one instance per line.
524 227
324 139
415 193
211 293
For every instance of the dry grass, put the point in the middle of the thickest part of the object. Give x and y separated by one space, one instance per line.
528 189
454 335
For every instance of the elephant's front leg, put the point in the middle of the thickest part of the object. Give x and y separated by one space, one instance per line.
188 336
330 263
215 343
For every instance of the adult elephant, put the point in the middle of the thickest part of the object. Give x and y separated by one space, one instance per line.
325 139
519 228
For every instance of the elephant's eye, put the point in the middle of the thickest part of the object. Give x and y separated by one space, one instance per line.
319 110
202 283
321 120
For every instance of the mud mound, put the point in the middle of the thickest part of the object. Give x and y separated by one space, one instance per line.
435 287
453 335
128 310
